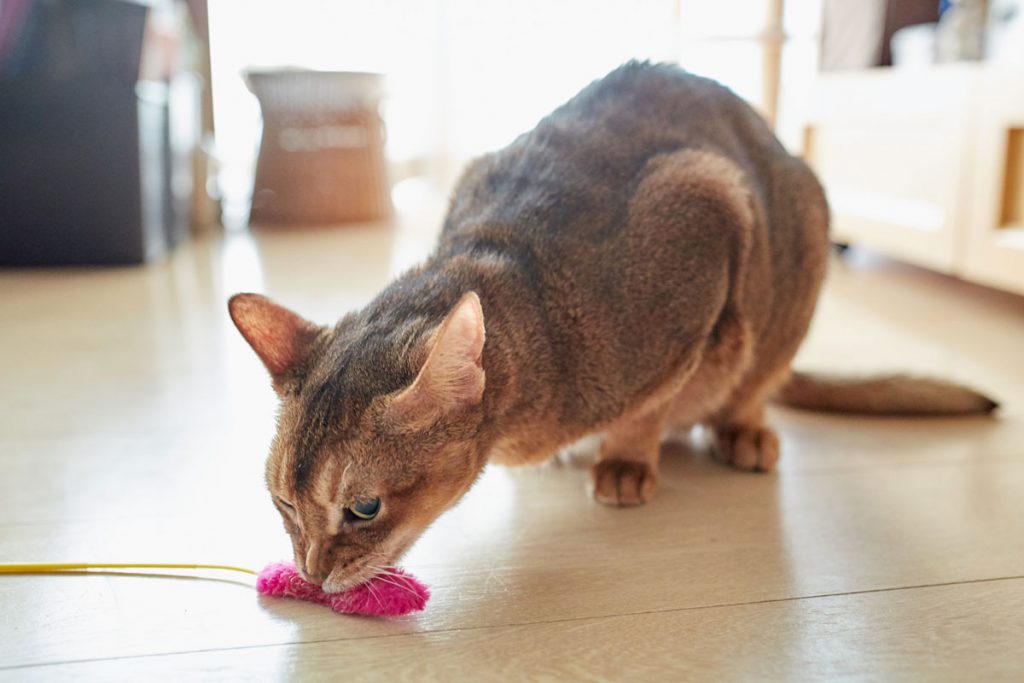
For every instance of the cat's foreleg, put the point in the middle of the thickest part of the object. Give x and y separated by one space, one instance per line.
626 471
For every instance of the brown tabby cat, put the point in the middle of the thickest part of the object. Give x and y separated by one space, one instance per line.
648 256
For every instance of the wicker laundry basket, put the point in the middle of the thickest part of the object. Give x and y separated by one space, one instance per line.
321 156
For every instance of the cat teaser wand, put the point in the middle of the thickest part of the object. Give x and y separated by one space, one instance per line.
389 594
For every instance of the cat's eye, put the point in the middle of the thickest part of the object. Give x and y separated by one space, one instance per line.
287 510
367 509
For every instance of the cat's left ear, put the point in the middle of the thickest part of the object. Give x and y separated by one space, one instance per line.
281 338
453 375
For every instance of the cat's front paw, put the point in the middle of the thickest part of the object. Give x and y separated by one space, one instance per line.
622 483
754 449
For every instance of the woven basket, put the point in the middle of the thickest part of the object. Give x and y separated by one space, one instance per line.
321 156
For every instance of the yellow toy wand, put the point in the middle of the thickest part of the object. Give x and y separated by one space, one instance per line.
391 593
59 567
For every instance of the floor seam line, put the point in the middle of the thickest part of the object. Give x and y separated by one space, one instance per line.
568 620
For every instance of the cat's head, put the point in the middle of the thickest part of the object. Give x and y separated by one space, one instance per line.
376 432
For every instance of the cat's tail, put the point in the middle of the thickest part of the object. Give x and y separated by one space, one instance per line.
882 395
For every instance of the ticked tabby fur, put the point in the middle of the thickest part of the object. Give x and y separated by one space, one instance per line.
648 256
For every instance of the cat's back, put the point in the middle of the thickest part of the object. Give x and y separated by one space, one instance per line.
629 221
574 173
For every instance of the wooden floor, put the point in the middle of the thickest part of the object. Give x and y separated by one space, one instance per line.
134 422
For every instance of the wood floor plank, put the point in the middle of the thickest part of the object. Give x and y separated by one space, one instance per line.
529 546
134 422
947 633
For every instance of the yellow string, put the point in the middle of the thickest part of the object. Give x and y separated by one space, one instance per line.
58 567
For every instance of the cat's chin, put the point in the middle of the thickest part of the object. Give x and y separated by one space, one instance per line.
335 583
330 588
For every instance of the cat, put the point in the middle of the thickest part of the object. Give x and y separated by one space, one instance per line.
648 256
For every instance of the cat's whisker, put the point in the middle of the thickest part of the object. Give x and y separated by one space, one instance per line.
374 593
390 579
396 580
387 571
396 584
390 571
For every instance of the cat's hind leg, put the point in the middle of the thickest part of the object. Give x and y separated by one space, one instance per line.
799 251
749 447
743 440
626 471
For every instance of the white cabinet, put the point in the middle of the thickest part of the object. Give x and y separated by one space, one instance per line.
926 166
994 248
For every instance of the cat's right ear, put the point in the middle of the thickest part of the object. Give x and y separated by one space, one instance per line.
452 376
282 339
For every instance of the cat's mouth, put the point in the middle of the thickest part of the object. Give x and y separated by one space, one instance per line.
342 578
339 580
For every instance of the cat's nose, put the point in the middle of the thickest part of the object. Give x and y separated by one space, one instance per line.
317 578
316 570
313 576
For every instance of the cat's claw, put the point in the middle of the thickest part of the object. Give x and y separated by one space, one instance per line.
752 449
622 483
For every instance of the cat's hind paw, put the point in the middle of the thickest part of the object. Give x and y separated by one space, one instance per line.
752 449
622 483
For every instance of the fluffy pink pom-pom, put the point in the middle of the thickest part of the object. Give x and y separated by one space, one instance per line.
390 595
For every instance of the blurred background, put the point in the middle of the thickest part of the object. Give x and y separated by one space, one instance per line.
157 157
165 119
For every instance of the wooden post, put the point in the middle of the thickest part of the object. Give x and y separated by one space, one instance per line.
772 40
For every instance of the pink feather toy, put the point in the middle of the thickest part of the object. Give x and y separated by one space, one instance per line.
385 595
390 594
